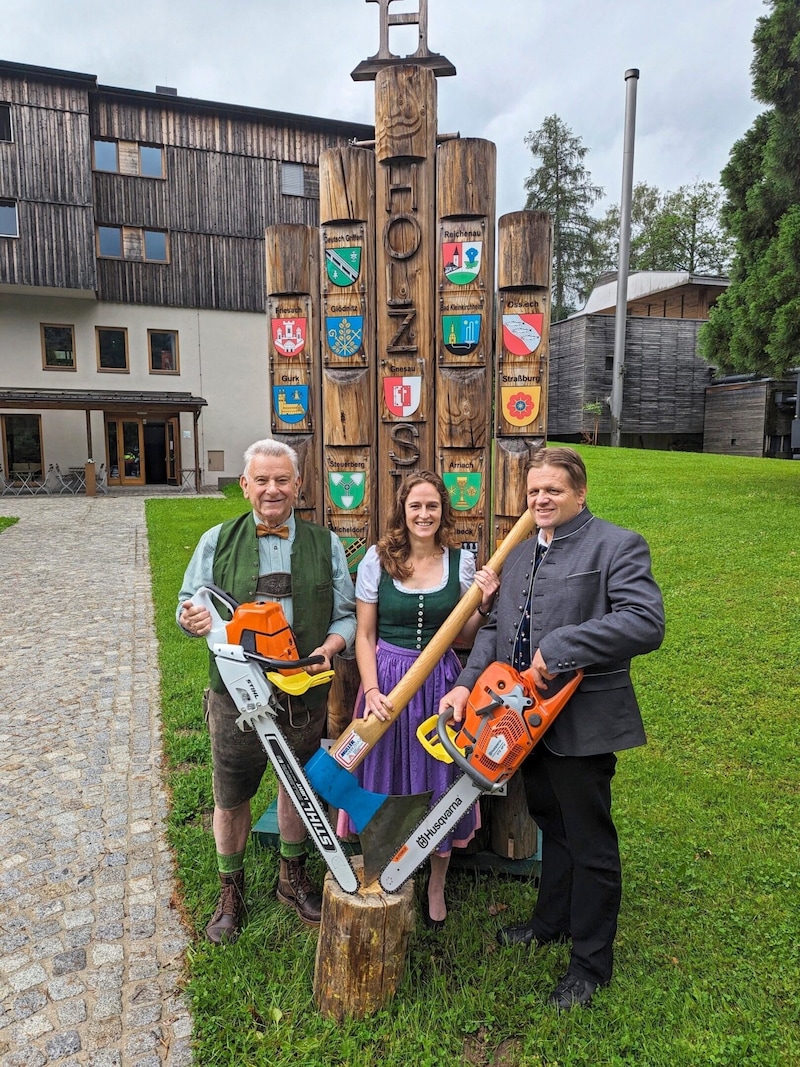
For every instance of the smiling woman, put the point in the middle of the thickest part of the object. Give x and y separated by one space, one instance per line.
406 587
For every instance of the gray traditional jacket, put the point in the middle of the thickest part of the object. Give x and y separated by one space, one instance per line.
594 605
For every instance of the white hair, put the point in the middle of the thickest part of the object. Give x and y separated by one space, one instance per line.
270 447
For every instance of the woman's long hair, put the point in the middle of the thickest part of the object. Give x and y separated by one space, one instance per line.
394 547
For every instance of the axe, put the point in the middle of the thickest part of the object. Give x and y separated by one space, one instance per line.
383 821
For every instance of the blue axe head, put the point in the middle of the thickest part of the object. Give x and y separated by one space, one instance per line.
383 821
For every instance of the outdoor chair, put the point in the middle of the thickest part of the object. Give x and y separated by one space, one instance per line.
7 488
61 483
101 479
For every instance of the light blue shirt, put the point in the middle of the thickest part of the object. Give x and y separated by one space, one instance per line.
275 554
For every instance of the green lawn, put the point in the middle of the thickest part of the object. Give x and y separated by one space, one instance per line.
707 959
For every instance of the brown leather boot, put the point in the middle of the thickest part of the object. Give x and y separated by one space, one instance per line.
297 890
227 919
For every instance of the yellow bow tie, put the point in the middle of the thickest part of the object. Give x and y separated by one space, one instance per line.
262 530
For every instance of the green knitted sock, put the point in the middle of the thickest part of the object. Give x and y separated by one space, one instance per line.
290 850
230 864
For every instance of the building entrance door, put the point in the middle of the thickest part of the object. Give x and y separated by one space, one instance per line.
125 451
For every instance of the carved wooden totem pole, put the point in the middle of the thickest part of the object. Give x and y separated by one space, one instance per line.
389 351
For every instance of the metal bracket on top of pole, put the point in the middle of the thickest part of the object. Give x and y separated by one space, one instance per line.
367 69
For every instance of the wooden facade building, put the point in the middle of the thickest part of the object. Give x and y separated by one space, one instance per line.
132 271
665 379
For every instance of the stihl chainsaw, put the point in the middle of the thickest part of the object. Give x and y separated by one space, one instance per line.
256 654
505 718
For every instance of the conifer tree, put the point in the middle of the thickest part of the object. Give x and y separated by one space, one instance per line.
562 185
755 325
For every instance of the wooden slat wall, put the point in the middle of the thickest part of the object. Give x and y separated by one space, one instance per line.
46 170
734 419
222 188
206 131
665 380
742 418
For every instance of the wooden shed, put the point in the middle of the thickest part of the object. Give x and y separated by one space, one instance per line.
750 416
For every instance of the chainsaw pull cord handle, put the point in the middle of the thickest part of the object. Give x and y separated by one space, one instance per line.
550 706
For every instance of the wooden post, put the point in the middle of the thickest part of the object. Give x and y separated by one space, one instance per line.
361 951
405 148
465 197
347 227
292 272
524 244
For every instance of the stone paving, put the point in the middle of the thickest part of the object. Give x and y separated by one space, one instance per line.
91 948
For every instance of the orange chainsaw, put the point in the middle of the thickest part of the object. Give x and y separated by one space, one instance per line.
505 718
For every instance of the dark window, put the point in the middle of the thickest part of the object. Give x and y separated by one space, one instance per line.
5 123
112 348
155 245
58 346
109 241
151 164
22 437
163 351
106 156
9 226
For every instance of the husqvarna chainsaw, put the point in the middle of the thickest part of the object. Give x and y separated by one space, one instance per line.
505 718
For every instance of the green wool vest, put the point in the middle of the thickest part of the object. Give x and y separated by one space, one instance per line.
236 568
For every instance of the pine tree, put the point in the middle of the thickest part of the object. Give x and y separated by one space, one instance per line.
562 185
755 325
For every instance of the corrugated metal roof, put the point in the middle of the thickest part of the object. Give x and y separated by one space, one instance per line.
98 399
645 283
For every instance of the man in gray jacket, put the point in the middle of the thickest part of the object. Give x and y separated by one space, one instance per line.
579 596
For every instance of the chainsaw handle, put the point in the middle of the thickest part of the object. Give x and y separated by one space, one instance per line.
218 635
271 664
458 757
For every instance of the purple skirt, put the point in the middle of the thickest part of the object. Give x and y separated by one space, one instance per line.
398 763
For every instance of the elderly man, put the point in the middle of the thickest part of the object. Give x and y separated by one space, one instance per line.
581 595
269 553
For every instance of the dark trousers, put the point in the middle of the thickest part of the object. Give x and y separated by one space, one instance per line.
581 881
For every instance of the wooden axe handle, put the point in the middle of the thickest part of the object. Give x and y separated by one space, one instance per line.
372 729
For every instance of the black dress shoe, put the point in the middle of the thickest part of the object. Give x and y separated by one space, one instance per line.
432 924
524 935
572 992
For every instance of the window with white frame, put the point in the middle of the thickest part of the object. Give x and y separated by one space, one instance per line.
9 223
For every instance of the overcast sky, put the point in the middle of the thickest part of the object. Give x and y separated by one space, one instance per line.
517 61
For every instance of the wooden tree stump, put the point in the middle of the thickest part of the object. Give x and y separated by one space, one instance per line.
361 952
514 834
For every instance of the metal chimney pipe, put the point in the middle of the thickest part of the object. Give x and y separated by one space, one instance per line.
618 372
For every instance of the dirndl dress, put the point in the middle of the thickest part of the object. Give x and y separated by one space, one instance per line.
398 764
